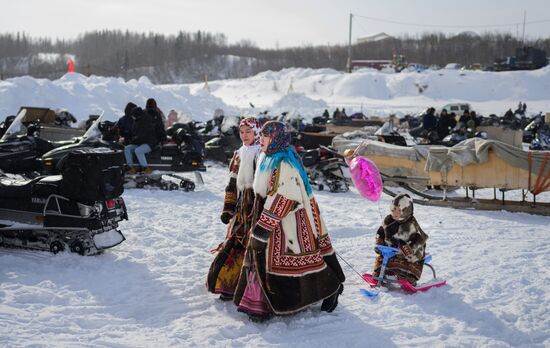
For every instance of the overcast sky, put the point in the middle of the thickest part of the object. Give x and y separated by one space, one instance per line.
272 23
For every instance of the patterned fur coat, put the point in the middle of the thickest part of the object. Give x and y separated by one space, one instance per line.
298 266
225 269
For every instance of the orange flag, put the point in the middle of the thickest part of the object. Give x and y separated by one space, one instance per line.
71 65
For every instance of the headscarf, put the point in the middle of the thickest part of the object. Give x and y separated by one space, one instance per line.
280 150
279 134
253 123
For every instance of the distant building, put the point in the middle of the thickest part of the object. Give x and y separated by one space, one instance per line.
373 38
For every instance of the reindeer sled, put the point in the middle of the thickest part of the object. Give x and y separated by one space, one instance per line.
473 164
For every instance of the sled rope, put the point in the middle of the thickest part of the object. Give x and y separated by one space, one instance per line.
351 267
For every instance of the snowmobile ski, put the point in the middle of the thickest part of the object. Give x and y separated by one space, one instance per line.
164 181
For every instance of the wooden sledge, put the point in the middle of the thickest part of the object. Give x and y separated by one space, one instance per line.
407 170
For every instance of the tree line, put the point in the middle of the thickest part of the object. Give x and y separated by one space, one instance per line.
192 56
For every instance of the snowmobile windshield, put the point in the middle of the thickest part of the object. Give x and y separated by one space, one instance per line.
229 122
17 127
93 133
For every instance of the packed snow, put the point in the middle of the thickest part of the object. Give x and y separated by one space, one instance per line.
149 290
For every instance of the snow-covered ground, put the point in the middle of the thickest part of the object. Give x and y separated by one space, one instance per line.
301 91
149 291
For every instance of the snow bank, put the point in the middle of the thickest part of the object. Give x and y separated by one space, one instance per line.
83 96
305 91
379 93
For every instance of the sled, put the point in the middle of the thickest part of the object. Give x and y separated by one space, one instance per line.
382 280
405 285
473 164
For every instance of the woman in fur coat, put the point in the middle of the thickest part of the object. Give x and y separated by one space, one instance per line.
239 198
290 263
401 230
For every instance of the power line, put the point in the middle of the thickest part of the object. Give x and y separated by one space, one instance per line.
450 26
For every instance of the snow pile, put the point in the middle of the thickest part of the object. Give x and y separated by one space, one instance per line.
83 96
299 104
379 93
304 91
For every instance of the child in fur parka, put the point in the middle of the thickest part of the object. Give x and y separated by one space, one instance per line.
401 230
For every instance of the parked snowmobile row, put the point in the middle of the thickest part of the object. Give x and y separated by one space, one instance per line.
66 195
22 150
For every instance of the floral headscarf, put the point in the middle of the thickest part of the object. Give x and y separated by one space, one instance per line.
280 150
254 125
280 135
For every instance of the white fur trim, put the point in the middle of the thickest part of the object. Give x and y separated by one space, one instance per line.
261 178
247 156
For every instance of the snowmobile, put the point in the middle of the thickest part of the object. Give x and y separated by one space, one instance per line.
78 210
6 124
182 153
21 146
222 147
537 133
459 134
541 142
325 166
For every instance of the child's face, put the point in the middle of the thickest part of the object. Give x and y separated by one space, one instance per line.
264 142
247 135
395 212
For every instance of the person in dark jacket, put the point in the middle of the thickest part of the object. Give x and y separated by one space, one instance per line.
429 123
125 124
143 140
445 124
464 118
158 119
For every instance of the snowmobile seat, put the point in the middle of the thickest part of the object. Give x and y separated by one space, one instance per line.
170 149
47 185
16 187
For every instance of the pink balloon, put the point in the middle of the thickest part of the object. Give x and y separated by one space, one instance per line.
366 177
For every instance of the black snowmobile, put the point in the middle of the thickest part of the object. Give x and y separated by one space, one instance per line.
77 211
222 147
6 124
459 134
182 153
21 146
325 167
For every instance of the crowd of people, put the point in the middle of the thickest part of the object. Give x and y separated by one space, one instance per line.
437 127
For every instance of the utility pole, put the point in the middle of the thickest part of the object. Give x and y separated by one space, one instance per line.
349 43
523 35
